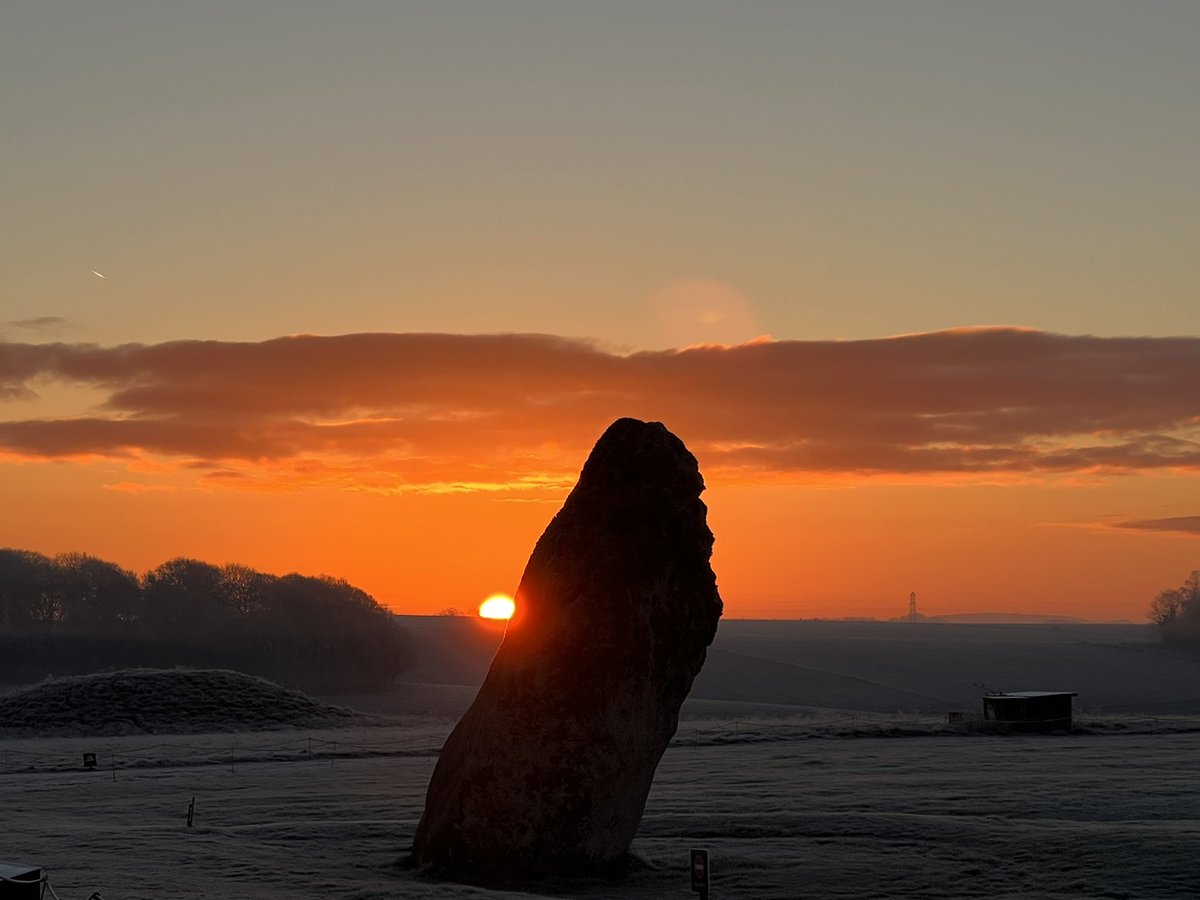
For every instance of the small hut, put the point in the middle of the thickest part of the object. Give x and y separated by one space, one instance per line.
1029 710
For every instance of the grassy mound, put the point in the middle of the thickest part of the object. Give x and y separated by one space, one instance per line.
162 701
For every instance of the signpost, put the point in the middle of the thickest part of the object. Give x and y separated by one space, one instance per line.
699 869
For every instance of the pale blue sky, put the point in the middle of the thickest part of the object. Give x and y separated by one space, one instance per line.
614 170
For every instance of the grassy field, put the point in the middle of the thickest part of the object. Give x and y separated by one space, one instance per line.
813 760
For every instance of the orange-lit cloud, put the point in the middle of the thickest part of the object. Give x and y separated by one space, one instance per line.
437 412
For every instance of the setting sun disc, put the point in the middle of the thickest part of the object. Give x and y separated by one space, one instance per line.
497 606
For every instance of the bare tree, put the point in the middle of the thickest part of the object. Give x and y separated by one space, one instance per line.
97 595
1177 611
1165 607
77 613
30 590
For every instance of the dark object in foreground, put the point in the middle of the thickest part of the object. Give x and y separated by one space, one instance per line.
1028 711
547 773
20 882
700 872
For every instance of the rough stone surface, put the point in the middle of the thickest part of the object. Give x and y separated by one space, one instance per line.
547 773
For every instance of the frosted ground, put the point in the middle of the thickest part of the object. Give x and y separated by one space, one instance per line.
813 761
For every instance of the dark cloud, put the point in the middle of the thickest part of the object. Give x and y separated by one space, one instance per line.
1177 525
415 408
41 323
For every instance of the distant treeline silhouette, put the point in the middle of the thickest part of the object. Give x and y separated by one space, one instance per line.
74 613
1177 611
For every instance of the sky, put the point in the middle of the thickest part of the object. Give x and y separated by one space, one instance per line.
352 289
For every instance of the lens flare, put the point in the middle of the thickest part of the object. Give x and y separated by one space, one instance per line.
497 606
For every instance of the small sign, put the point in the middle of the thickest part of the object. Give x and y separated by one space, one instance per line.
89 761
699 869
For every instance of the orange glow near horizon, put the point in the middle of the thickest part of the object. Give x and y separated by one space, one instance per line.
423 467
497 606
781 552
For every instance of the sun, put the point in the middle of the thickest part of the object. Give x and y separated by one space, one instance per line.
497 606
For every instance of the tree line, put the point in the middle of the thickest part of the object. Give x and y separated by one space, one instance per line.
1176 611
74 613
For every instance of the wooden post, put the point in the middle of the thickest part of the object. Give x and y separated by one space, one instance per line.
191 812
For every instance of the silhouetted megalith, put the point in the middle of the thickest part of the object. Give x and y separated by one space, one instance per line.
547 773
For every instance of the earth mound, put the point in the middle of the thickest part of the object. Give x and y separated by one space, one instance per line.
163 701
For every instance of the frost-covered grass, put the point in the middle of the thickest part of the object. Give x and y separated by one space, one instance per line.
850 817
803 763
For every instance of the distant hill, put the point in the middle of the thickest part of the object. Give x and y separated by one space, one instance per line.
779 668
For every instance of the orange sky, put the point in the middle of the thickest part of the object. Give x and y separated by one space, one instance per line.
511 223
985 469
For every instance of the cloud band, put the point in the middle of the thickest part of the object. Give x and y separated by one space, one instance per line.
402 410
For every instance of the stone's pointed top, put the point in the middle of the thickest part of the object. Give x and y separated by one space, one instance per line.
636 453
627 427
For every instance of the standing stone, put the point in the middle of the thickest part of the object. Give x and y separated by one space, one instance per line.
547 773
